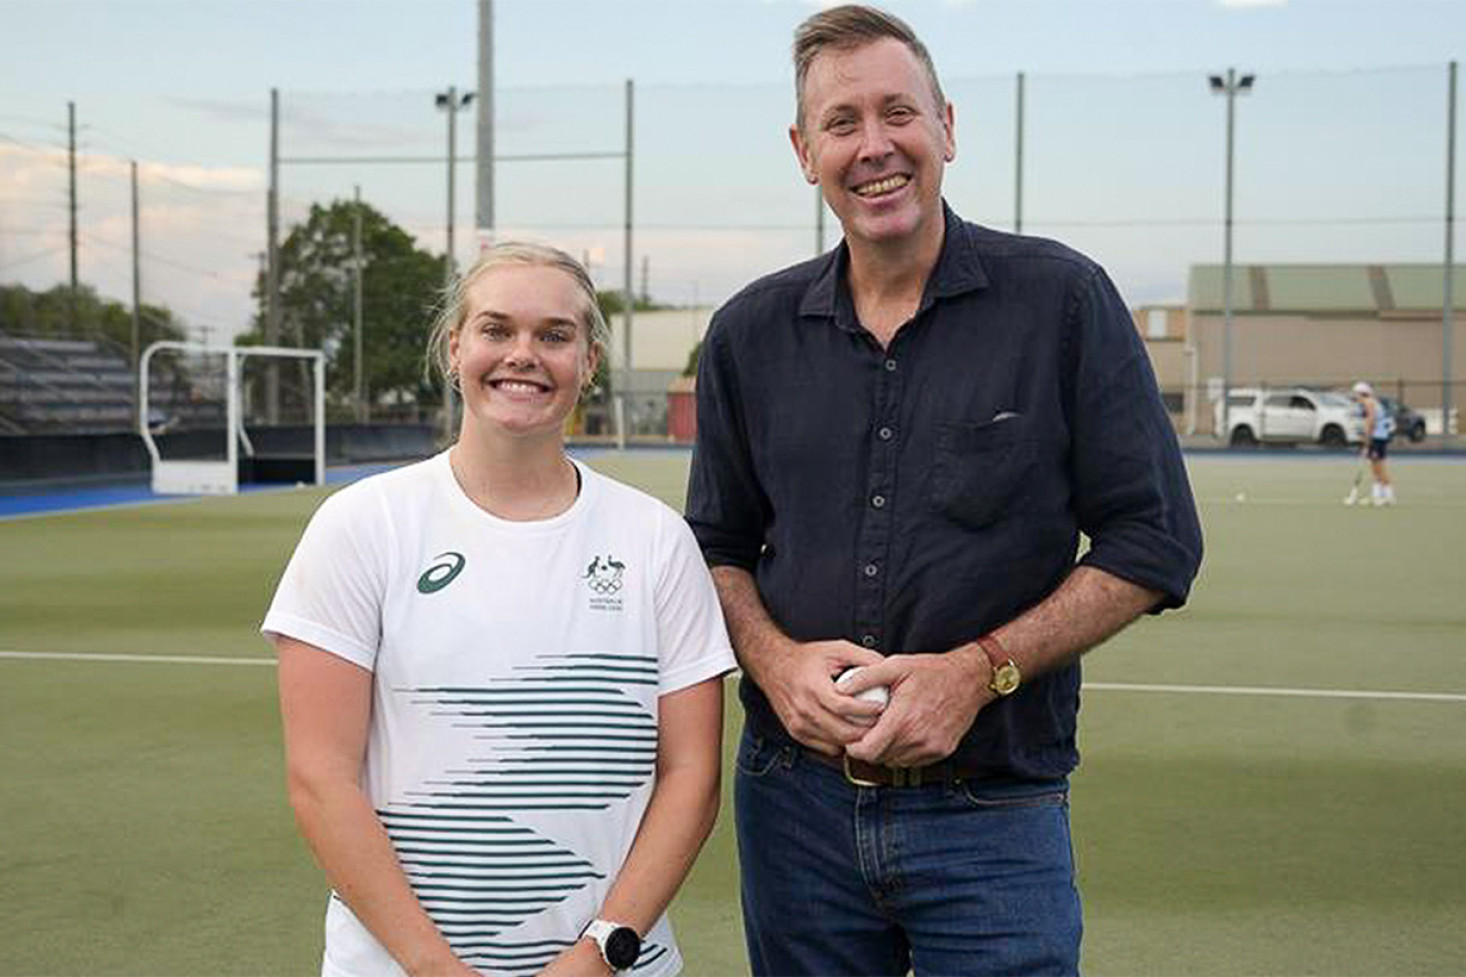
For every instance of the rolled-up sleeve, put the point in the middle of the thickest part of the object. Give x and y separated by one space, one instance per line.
1131 490
726 506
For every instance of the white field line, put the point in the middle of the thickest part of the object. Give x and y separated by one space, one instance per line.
1265 690
1330 504
1088 686
147 659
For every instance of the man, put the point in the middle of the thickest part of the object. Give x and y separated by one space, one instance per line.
898 446
1379 427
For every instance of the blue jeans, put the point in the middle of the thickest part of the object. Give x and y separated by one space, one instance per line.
960 878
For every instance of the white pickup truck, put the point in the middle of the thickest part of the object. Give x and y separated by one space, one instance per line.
1288 415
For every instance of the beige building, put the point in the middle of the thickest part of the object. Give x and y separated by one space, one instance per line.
1315 325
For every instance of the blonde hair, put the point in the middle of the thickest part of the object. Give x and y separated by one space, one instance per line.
846 28
453 309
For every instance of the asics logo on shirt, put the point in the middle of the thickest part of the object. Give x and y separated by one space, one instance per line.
441 573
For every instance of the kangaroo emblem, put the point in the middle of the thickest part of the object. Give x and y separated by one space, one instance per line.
604 575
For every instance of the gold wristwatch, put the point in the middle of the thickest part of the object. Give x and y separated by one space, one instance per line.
1005 678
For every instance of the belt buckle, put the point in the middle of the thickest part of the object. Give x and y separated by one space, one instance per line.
854 779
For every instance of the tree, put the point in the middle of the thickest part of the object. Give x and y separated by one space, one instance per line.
48 314
400 288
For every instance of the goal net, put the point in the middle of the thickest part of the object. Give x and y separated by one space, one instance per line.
215 418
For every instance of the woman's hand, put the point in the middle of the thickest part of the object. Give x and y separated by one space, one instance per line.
581 959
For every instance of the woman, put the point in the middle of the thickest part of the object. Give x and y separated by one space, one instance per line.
1379 427
500 673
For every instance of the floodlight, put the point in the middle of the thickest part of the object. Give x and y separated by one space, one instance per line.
1244 83
1218 84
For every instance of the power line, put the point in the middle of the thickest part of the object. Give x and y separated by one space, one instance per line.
34 256
160 259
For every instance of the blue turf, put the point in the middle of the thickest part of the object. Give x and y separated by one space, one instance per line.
139 493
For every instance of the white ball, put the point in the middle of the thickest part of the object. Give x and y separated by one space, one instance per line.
1241 496
879 694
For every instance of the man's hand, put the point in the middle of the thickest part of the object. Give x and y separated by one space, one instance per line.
934 700
800 685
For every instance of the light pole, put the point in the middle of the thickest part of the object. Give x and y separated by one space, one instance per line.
453 102
1231 86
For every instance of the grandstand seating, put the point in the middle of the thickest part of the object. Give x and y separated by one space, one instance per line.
50 385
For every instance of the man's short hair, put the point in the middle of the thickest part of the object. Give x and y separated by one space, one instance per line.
848 27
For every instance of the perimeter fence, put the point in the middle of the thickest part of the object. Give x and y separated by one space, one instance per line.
1330 168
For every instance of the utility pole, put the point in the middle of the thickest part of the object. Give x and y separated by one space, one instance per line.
625 418
1448 302
272 266
646 276
1018 159
359 264
819 221
485 218
71 208
137 291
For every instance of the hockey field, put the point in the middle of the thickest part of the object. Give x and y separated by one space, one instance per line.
1273 782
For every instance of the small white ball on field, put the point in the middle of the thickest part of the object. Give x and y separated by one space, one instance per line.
300 485
880 693
1241 496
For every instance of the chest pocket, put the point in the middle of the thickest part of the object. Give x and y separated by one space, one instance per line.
981 470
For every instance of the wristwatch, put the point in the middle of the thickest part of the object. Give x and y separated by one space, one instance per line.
1006 677
620 945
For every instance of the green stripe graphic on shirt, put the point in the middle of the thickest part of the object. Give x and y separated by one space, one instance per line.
562 733
565 733
478 876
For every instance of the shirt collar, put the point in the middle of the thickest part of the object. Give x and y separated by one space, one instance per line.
959 269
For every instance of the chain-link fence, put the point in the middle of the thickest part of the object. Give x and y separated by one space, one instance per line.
1331 168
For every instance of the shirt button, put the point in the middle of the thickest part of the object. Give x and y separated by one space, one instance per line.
890 366
871 570
877 500
885 433
869 640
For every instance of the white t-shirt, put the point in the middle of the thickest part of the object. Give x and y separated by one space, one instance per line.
517 667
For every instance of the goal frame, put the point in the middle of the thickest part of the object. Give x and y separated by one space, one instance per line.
211 477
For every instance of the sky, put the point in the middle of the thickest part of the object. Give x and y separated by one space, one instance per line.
1118 118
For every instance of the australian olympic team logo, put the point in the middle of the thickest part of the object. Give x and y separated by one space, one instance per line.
446 567
603 576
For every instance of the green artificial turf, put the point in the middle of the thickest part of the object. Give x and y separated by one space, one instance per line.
144 829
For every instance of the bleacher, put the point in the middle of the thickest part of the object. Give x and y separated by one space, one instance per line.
78 386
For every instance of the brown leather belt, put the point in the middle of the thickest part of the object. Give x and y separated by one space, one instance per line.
863 774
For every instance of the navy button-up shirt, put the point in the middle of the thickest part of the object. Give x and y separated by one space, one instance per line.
912 498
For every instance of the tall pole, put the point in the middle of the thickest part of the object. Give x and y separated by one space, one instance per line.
71 170
137 291
1231 93
450 101
359 264
630 300
1448 305
485 219
1018 159
272 264
819 221
452 160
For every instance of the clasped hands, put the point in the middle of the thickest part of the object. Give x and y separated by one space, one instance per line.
933 700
